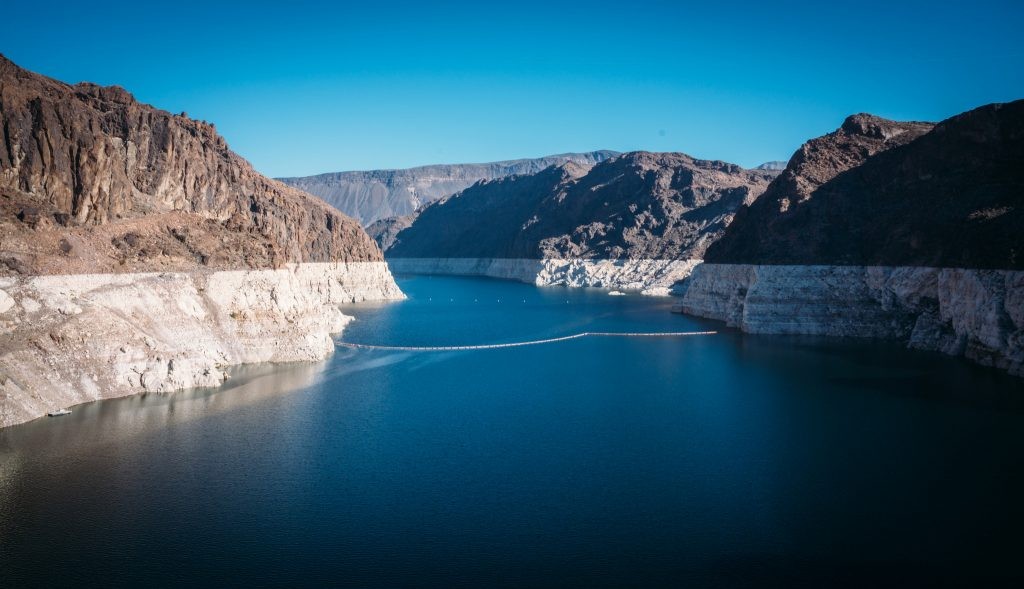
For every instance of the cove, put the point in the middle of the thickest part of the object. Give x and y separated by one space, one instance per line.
702 461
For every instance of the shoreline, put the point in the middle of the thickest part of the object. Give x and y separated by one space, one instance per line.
77 338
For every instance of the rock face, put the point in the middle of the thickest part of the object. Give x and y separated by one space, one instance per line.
883 229
385 231
877 192
650 277
379 194
92 180
629 216
975 313
76 338
138 253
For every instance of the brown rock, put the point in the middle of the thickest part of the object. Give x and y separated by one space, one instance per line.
100 165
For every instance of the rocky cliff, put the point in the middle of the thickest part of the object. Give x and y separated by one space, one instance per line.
70 339
378 194
644 216
121 223
885 229
93 180
877 192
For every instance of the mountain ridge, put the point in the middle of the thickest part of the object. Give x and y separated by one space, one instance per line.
370 195
638 205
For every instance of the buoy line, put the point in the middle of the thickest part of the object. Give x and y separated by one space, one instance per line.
529 343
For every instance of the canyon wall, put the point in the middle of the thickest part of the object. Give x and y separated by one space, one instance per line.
975 313
639 221
906 231
650 277
69 339
139 253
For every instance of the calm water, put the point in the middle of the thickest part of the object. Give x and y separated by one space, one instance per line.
718 460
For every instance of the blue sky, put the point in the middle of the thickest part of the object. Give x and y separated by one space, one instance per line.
301 88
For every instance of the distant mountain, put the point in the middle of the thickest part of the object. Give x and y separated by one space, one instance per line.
775 166
639 205
377 194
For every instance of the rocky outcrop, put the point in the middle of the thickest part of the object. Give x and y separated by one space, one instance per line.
630 222
379 194
138 253
978 314
882 229
385 231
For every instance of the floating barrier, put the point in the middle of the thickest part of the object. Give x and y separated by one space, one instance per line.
529 343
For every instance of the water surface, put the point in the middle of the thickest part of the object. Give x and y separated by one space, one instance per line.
713 460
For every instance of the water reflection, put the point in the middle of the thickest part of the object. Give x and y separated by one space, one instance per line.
101 422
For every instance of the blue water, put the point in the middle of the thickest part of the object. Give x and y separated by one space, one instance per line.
702 461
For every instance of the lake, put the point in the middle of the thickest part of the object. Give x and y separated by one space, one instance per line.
716 460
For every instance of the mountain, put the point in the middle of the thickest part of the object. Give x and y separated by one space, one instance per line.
94 181
877 192
139 253
907 231
640 213
378 194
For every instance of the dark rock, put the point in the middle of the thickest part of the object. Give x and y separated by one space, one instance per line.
878 192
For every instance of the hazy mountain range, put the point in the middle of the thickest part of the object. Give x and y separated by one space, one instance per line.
376 194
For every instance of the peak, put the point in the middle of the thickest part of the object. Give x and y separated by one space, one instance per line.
6 65
106 93
573 169
868 125
654 157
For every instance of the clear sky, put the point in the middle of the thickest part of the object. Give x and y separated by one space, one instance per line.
301 88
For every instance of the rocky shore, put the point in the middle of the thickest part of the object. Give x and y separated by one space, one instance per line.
650 277
76 338
978 314
138 253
